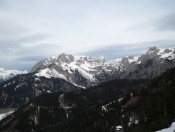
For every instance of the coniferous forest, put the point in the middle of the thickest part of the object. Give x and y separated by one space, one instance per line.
136 105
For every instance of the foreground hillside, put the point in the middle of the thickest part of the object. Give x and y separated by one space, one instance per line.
70 111
20 89
136 105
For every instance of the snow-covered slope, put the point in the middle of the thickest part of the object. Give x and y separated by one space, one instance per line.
88 71
77 70
170 129
6 74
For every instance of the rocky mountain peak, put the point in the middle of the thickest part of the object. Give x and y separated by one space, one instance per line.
153 48
152 51
91 60
65 58
125 60
168 51
130 57
87 71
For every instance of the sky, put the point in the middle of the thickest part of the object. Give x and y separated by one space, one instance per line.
31 30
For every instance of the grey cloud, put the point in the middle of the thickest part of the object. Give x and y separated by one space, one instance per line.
166 23
118 51
14 53
23 58
10 27
3 4
18 41
31 58
114 52
13 34
10 52
163 23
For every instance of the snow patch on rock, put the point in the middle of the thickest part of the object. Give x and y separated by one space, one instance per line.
3 115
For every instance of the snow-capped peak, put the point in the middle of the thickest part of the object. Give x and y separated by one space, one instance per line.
78 69
167 53
74 69
6 74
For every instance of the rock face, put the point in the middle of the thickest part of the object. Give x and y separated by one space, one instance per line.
88 71
6 74
77 70
154 62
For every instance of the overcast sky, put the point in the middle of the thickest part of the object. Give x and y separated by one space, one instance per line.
31 30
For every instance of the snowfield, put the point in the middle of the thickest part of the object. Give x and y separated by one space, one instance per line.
170 129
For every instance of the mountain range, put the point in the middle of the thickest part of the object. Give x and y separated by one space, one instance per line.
6 74
88 71
66 73
80 93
